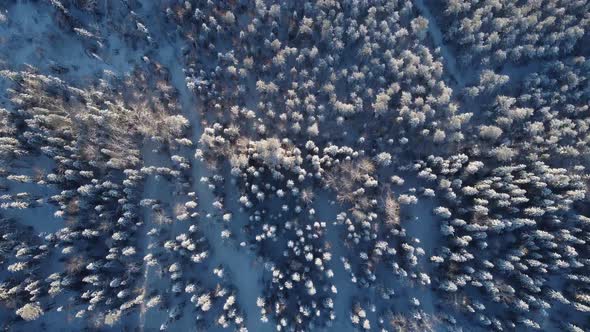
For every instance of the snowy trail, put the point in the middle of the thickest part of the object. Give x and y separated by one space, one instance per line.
241 264
346 289
467 76
425 228
150 190
450 62
420 225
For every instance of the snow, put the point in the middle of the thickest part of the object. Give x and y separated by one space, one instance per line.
436 34
423 227
28 22
346 289
153 188
40 217
422 230
24 40
244 271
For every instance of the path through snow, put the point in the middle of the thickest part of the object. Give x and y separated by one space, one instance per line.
245 272
450 62
346 289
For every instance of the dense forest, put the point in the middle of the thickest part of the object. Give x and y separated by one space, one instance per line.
322 165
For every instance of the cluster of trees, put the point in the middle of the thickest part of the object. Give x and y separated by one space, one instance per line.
493 33
512 232
90 145
547 119
282 224
94 139
275 123
93 24
95 153
22 256
515 211
311 128
285 74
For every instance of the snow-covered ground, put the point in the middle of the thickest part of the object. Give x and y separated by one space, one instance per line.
346 289
31 33
28 22
244 271
435 33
